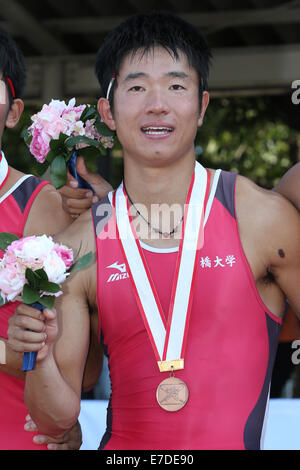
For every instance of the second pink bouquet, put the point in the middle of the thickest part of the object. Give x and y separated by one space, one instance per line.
60 130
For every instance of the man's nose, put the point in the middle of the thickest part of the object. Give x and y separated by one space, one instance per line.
157 102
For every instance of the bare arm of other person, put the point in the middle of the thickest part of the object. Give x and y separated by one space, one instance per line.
46 216
270 232
77 200
62 355
289 185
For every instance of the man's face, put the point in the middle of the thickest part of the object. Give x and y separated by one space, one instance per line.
156 107
9 114
4 105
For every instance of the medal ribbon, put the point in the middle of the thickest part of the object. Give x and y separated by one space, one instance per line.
4 170
168 339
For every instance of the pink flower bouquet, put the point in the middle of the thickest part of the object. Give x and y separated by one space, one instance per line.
32 270
59 130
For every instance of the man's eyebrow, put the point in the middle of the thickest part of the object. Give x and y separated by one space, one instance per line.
177 74
134 75
173 74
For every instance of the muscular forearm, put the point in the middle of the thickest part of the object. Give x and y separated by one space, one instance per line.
52 403
10 361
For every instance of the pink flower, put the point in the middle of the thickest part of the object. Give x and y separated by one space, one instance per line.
66 254
54 128
11 281
55 268
73 114
18 245
39 146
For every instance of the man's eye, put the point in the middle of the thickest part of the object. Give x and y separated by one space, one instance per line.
177 87
136 88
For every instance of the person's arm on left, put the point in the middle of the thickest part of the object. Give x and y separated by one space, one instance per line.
46 216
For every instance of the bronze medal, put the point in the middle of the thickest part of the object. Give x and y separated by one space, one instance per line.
172 394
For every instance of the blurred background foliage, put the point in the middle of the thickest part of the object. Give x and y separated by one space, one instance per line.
249 135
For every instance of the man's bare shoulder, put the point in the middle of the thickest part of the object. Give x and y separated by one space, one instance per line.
265 203
266 216
47 214
289 185
80 234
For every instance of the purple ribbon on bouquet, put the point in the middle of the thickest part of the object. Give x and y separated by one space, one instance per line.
30 357
71 164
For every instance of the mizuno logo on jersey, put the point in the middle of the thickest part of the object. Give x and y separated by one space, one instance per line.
117 276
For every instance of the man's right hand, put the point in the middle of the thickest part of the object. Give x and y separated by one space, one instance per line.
76 200
32 330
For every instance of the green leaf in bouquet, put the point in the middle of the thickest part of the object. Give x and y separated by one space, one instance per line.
81 139
32 278
51 155
6 239
54 145
90 152
58 145
51 287
90 112
1 301
41 274
30 295
25 134
103 129
58 172
47 301
39 168
82 262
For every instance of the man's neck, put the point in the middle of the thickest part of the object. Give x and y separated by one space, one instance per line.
160 185
158 196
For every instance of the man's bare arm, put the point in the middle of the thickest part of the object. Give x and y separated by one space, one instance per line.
45 217
53 389
46 214
284 251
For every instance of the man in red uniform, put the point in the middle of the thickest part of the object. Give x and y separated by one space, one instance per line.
191 271
27 206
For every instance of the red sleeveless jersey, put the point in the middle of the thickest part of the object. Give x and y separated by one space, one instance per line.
14 209
231 346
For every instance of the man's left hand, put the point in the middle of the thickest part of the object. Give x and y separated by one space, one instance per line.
70 441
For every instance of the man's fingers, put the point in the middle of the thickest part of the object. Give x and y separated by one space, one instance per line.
30 329
30 426
76 205
27 336
23 347
23 309
24 322
55 444
71 181
78 193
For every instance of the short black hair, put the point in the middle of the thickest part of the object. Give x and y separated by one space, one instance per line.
12 64
144 31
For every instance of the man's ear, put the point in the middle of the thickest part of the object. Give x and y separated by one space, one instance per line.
205 101
105 113
14 113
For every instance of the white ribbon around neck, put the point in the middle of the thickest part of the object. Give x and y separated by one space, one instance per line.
168 339
4 169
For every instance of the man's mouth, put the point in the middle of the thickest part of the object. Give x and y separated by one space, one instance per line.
157 130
